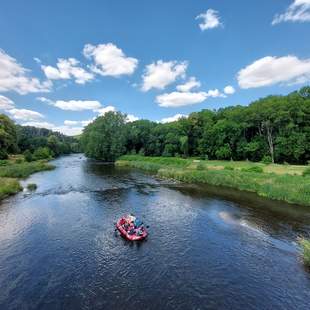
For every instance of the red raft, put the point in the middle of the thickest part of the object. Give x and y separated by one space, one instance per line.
131 228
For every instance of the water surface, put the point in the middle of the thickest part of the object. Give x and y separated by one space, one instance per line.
208 248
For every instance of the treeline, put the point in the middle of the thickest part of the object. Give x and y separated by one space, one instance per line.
271 129
34 143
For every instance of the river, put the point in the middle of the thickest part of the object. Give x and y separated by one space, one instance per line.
208 248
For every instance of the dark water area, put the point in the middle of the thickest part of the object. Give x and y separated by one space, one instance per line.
208 248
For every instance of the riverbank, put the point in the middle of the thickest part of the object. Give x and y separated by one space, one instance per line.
16 168
279 182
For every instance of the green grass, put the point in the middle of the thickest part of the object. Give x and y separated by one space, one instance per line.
282 182
24 169
9 186
305 245
16 168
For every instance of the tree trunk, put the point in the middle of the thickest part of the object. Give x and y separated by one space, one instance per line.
268 128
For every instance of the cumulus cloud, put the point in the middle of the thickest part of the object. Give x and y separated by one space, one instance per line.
210 19
160 74
173 118
131 118
14 77
273 70
106 109
229 90
73 105
179 99
66 69
25 115
109 60
6 103
189 85
298 11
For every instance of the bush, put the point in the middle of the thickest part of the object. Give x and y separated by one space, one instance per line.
19 161
266 159
28 156
229 168
306 172
3 162
305 244
256 169
32 186
42 153
200 166
3 154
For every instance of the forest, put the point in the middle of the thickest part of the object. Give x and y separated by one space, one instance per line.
34 143
274 129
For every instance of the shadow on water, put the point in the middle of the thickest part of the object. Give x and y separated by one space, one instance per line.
208 247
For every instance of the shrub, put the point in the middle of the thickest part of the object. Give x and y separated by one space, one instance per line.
3 162
229 168
32 186
28 156
266 159
19 161
305 244
200 166
42 153
3 154
306 172
256 169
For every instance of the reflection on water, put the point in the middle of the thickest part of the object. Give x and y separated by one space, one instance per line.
59 250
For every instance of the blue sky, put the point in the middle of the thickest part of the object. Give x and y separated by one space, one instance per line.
62 63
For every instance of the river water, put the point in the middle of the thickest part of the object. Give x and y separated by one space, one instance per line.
208 248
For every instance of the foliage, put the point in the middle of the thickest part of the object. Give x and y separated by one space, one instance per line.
32 186
281 186
42 153
105 137
266 159
7 137
272 129
9 186
305 245
28 156
24 169
253 169
306 172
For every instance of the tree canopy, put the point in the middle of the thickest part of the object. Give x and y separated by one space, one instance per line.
275 129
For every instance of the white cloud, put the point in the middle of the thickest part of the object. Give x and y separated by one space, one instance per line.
106 109
131 118
109 60
14 77
25 115
37 60
75 123
73 105
6 103
67 69
69 131
179 99
229 90
210 19
160 74
272 70
298 11
189 85
173 118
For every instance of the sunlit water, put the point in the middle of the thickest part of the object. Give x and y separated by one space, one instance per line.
207 248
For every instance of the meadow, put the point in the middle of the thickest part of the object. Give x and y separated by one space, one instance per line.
290 183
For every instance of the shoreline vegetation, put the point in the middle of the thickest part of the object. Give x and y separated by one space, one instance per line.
289 183
305 246
14 169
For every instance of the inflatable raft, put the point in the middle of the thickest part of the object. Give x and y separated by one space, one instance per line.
131 228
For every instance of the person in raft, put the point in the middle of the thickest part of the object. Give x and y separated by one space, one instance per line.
133 225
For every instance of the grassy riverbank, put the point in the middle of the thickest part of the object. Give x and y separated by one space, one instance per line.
305 245
280 182
16 168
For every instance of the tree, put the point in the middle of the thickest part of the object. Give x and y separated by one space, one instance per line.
105 137
8 140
